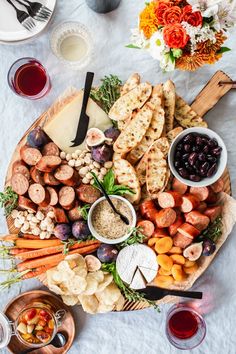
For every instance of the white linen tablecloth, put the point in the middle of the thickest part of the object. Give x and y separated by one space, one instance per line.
143 331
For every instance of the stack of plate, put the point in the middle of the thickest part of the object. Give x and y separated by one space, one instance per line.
11 31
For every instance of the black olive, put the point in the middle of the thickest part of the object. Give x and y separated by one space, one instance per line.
178 155
211 159
212 170
195 178
187 147
205 150
179 147
192 158
183 172
202 157
185 157
196 148
189 168
212 143
189 139
204 169
198 140
217 151
177 164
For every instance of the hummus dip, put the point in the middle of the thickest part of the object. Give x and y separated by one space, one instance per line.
107 223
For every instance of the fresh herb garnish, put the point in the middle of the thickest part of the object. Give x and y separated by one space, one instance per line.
109 185
84 211
69 243
136 237
128 293
214 230
108 92
8 200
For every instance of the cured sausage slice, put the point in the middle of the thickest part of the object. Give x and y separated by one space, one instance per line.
39 195
67 197
50 149
213 212
179 186
19 183
67 175
36 175
202 207
181 240
60 216
26 204
29 155
165 217
48 163
174 227
201 193
170 199
87 193
148 210
20 167
75 214
53 196
50 179
197 219
188 230
190 202
218 186
159 233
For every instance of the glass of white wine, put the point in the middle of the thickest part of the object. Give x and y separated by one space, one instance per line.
72 44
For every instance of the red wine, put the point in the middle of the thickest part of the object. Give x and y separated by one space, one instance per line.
30 79
183 324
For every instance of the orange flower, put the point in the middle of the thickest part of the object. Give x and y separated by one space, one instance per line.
208 46
161 7
148 22
191 62
193 18
172 15
175 36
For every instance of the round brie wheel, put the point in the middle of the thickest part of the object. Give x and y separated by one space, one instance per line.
137 265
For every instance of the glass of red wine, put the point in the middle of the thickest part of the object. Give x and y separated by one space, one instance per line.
29 79
185 327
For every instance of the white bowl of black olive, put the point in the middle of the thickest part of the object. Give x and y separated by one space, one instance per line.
197 157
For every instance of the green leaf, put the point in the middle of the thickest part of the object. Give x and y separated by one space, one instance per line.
8 200
214 230
84 211
132 46
223 50
136 237
171 56
177 52
109 186
109 180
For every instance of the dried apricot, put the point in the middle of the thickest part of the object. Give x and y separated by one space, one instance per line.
177 272
189 263
191 270
164 245
165 261
178 259
163 271
176 250
152 241
163 281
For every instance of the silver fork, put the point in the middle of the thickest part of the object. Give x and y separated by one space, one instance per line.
37 10
23 17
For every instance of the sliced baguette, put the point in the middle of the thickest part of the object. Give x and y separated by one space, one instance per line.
130 84
172 134
186 116
135 130
169 104
134 99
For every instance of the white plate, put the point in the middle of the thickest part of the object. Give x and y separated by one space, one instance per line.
11 30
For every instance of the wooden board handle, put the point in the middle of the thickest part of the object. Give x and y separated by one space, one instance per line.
211 93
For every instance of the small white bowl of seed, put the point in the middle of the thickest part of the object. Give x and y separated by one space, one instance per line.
105 225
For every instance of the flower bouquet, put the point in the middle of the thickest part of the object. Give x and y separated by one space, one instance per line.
184 34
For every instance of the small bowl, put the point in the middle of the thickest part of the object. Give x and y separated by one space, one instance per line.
221 165
104 239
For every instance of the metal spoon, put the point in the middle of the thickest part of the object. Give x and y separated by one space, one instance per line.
58 342
123 217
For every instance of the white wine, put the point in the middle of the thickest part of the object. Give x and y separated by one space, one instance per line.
73 48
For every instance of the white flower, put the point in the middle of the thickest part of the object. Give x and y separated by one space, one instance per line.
166 63
138 39
157 46
199 34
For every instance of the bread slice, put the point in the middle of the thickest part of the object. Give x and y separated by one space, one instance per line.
134 99
135 130
172 134
126 175
130 84
155 129
169 104
186 116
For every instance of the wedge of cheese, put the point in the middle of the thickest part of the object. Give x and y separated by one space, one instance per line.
62 126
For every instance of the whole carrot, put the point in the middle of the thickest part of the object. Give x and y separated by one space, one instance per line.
57 258
30 254
16 251
37 271
22 243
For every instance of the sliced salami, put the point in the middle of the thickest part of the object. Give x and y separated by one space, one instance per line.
48 163
190 202
39 195
170 199
36 175
67 197
26 204
87 193
165 217
50 179
29 155
67 175
20 167
60 216
19 183
50 149
53 196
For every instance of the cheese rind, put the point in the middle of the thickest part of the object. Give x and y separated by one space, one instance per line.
62 127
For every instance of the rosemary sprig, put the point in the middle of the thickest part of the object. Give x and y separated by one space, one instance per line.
108 92
109 185
214 230
8 200
128 293
84 211
13 280
69 243
136 237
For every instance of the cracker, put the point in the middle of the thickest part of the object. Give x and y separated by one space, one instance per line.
155 129
169 104
135 130
186 116
126 175
134 99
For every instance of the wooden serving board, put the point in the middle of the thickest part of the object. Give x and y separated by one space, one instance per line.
67 327
206 99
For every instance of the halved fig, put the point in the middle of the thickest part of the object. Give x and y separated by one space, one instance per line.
95 137
194 251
